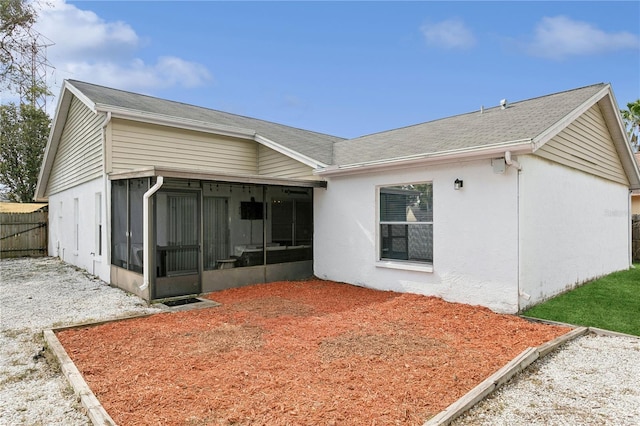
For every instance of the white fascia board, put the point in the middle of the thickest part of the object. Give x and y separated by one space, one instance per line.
181 123
613 118
314 164
561 124
522 146
81 96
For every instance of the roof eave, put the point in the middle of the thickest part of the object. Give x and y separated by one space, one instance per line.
614 122
179 173
522 146
311 162
565 121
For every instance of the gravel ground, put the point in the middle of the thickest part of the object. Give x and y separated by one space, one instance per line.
38 294
591 380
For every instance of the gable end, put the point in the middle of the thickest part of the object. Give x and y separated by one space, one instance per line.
586 145
78 158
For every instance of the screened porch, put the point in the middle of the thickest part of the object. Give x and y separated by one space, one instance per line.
208 235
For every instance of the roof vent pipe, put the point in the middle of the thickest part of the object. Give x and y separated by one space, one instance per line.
503 104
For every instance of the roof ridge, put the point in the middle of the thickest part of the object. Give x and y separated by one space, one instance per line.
473 112
72 81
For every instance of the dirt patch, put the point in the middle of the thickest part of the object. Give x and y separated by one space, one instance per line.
375 345
229 337
272 307
312 352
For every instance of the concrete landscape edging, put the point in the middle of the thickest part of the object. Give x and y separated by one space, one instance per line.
500 377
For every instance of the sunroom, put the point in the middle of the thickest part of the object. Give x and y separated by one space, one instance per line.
207 232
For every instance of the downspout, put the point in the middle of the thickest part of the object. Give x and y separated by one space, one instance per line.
630 230
146 237
510 162
521 293
513 163
107 193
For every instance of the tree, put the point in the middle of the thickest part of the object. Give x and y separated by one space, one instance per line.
631 118
23 136
16 19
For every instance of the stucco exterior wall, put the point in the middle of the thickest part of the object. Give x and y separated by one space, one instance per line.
73 235
574 227
475 234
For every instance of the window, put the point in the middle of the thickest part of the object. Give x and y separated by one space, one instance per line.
406 223
76 225
98 238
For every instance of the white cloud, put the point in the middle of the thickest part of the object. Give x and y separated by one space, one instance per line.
83 34
560 37
449 34
168 71
87 47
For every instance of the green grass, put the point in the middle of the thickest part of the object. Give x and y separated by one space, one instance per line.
611 302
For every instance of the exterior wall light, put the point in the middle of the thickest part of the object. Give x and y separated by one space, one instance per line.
457 184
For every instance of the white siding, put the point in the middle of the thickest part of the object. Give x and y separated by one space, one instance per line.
573 227
136 145
272 163
586 145
79 155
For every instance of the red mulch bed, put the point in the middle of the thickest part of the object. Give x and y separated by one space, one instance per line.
309 352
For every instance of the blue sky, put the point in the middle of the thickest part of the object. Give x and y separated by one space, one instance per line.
345 68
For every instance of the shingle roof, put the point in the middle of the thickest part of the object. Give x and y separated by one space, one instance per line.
519 121
314 145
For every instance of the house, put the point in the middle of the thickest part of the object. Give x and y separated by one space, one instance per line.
502 207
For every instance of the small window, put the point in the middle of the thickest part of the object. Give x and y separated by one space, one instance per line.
76 225
98 229
406 223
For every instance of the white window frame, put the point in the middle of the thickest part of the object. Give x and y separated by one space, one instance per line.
409 265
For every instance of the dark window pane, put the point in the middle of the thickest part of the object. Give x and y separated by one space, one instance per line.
406 241
119 246
216 231
137 188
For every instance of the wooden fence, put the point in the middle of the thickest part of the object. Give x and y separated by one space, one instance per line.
635 237
23 234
